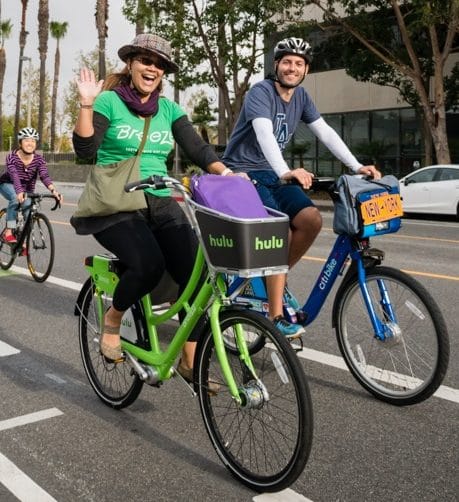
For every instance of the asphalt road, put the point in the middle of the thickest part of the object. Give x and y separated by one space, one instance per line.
59 442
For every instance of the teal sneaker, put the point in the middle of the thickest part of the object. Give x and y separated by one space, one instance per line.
288 329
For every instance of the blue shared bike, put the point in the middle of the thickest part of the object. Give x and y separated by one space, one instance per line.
390 331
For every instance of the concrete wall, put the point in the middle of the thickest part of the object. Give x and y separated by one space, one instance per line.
68 172
336 92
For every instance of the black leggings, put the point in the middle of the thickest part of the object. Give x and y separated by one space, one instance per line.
163 241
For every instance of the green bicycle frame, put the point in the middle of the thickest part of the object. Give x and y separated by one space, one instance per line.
211 294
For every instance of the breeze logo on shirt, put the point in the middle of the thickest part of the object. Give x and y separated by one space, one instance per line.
155 137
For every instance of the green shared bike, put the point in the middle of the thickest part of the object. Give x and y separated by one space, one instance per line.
259 419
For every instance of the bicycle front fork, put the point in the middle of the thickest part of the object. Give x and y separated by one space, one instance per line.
385 328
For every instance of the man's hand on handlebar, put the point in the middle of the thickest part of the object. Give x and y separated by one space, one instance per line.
303 177
370 171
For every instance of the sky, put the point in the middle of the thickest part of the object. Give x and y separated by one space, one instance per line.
81 36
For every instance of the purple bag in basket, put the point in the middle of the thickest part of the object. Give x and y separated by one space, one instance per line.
231 195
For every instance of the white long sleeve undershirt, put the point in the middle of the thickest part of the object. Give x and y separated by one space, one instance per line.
263 128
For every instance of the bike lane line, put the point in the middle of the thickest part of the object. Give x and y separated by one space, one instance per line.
409 272
443 392
286 495
7 350
15 480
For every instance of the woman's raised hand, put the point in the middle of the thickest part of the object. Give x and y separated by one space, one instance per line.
88 87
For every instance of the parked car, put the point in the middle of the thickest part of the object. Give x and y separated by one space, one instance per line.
431 189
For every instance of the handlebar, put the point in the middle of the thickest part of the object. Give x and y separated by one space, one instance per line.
40 196
322 183
156 182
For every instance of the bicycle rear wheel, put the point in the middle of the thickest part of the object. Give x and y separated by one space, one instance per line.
6 255
408 366
266 441
40 248
115 384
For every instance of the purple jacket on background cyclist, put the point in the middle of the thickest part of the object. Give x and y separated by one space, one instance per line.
270 114
23 167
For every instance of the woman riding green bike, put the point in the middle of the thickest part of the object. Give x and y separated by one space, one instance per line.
109 127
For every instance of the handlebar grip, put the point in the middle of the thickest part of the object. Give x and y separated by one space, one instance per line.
57 204
318 183
134 185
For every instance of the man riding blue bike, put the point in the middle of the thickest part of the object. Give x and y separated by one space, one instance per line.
269 117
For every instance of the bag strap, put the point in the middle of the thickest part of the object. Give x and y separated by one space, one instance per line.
144 135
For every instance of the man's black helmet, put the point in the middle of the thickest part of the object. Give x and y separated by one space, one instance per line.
295 46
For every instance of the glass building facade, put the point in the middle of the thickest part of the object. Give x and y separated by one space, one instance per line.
391 139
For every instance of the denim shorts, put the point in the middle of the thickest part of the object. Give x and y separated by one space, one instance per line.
289 199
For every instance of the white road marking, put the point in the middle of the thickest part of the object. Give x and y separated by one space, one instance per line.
287 495
53 280
29 418
16 481
56 378
7 350
20 485
443 392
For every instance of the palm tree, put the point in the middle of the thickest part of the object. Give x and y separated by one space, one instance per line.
43 29
102 29
22 41
5 31
58 31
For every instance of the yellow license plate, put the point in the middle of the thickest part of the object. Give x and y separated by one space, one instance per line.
382 207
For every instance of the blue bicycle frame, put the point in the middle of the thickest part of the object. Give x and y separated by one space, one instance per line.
345 246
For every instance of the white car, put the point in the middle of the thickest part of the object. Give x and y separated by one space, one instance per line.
432 189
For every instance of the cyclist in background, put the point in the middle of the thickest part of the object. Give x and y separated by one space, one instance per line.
23 167
270 114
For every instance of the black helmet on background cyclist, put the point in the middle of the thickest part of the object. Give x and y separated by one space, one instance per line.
295 46
28 133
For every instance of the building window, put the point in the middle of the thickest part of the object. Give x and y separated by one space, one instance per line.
390 139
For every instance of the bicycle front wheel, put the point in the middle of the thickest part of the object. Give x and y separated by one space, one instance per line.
114 383
410 364
6 254
266 440
40 248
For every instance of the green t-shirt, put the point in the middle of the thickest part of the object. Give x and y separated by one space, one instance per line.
123 136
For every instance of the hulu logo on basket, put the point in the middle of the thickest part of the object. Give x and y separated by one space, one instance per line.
260 244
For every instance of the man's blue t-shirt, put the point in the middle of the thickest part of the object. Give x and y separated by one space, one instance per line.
262 101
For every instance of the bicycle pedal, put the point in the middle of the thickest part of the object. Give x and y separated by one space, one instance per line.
294 345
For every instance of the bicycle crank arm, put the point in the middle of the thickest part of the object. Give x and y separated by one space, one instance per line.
146 373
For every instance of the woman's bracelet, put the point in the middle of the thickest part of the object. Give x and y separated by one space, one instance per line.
85 106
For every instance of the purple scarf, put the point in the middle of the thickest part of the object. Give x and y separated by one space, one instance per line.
132 99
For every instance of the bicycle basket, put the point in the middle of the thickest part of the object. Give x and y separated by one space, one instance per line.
367 208
247 247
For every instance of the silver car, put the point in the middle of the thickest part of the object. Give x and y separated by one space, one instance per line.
431 189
